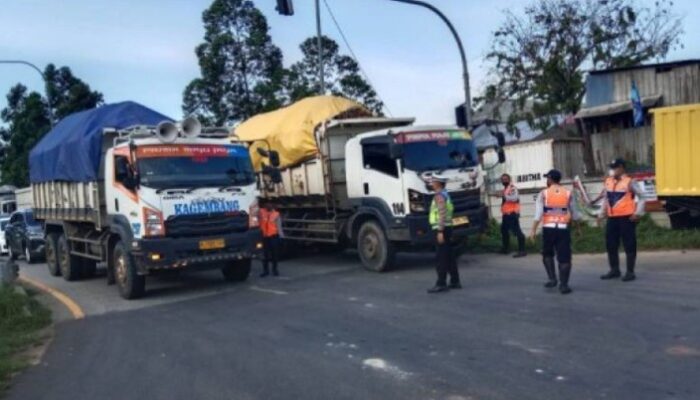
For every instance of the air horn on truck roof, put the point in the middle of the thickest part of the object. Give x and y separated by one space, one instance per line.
168 131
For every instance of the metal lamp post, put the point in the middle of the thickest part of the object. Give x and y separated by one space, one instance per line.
43 77
465 71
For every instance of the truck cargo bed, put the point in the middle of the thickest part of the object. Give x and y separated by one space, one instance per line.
68 201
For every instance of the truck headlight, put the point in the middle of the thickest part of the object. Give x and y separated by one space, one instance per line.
415 200
153 222
253 218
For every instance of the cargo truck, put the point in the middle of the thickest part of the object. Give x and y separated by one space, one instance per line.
362 182
677 165
125 185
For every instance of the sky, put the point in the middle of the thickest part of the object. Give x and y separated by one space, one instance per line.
143 50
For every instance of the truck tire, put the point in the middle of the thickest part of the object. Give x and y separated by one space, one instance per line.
52 254
376 251
237 271
70 265
131 285
89 268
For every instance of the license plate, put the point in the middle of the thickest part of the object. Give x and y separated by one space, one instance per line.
212 244
460 220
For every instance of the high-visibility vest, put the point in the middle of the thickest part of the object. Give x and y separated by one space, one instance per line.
434 217
509 207
556 206
620 197
268 222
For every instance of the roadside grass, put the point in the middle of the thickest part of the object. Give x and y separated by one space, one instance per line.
21 319
591 239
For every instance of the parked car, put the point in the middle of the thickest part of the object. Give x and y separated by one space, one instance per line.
25 236
3 243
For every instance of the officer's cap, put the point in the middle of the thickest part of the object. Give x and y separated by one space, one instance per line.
554 175
618 162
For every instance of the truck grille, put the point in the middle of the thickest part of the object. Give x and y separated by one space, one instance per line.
463 200
206 224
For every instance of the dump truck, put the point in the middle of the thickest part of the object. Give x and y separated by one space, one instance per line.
340 176
125 185
676 147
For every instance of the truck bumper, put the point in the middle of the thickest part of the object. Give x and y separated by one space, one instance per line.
159 254
420 232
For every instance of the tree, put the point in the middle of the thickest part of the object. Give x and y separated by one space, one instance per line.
540 57
341 75
241 70
27 119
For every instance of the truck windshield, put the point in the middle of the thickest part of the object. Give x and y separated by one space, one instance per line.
194 166
439 155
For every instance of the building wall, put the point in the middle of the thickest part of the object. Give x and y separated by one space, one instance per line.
634 144
678 85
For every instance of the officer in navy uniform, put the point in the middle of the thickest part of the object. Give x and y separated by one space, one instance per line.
440 218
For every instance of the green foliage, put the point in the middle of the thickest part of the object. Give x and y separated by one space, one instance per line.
591 239
21 317
542 55
341 75
27 119
241 69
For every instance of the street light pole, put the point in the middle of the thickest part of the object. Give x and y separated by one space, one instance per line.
43 77
319 48
465 71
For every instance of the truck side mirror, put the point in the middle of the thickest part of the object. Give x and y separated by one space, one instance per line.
499 138
274 159
124 174
501 156
273 173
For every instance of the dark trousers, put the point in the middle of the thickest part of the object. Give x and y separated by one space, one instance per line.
270 252
446 260
511 223
621 228
557 241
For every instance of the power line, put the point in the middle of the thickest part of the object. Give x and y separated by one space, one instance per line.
354 57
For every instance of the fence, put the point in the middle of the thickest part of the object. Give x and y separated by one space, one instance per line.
635 145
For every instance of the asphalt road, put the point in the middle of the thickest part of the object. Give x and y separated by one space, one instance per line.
332 331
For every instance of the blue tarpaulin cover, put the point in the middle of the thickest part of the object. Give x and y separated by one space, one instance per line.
71 151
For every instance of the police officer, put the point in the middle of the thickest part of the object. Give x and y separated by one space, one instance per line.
270 225
510 222
441 212
619 206
555 209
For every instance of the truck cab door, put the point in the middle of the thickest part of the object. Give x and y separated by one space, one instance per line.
381 177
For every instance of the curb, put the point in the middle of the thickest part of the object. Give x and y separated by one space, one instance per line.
69 303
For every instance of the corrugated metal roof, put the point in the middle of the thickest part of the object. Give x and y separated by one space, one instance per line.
669 64
616 108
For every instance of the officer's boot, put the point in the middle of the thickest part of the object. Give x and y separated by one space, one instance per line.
551 274
614 262
564 274
275 272
629 275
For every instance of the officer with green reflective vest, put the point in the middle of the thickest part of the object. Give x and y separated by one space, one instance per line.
441 212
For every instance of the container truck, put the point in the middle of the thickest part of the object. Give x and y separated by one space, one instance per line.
362 182
125 185
677 165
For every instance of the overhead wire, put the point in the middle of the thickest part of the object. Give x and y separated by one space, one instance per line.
354 57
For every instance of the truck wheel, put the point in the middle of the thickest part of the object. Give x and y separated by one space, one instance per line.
13 256
237 271
376 252
89 267
70 265
131 285
52 255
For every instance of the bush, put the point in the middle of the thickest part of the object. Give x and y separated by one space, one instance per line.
591 239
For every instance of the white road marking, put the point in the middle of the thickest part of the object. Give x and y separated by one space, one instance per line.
381 365
263 290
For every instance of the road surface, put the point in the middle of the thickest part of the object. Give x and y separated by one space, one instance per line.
330 330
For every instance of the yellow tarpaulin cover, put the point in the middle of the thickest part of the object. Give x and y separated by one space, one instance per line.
290 130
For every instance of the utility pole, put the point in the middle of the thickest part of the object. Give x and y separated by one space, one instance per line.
319 46
465 70
43 77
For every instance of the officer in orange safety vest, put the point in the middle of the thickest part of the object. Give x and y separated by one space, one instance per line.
555 208
270 225
510 217
623 205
